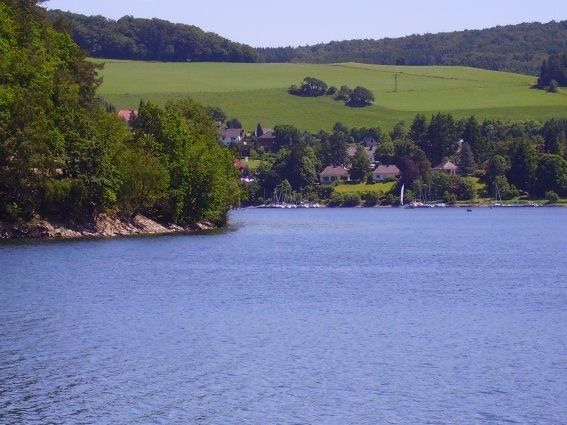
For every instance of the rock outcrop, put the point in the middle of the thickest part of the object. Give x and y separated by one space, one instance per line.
102 226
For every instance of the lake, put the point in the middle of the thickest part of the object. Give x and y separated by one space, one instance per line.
330 316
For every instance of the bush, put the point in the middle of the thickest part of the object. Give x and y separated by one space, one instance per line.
371 198
390 200
351 199
465 189
551 197
336 199
449 198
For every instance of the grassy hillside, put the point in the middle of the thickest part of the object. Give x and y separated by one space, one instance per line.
257 92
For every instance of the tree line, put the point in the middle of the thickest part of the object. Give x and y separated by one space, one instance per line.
64 157
514 48
149 39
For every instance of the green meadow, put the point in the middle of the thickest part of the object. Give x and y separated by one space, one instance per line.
258 92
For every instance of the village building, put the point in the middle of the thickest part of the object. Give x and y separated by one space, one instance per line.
242 166
369 142
128 115
333 174
267 140
385 172
231 136
370 151
446 167
262 130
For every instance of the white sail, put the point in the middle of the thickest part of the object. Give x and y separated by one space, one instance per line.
402 195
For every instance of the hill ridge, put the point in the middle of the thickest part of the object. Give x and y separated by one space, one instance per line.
519 48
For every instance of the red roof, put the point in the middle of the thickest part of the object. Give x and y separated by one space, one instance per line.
128 114
240 164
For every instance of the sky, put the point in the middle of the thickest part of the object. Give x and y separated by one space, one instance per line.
300 22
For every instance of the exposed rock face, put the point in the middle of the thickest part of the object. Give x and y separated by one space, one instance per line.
102 226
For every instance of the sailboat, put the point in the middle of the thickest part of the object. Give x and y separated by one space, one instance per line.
497 197
402 195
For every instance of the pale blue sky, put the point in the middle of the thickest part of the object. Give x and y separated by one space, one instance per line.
295 22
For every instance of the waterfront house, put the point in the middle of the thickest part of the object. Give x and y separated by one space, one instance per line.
446 167
333 174
385 172
231 136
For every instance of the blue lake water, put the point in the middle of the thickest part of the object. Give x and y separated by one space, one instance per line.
304 316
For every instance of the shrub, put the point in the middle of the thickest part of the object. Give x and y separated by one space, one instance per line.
336 199
370 198
351 199
551 196
390 200
449 198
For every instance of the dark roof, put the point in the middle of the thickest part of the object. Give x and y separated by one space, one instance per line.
370 151
267 135
231 132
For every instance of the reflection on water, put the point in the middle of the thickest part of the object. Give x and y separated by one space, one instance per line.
307 316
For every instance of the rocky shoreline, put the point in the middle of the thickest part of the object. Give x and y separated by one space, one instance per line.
103 226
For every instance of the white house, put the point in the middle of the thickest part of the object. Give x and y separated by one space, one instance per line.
385 172
333 174
231 136
446 167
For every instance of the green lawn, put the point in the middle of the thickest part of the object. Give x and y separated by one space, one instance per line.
361 188
254 164
257 92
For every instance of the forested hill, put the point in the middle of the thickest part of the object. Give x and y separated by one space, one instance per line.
150 39
515 48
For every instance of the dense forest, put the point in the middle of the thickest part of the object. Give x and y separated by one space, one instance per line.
150 39
64 158
516 48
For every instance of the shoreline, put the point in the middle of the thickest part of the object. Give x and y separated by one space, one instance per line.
472 205
103 226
